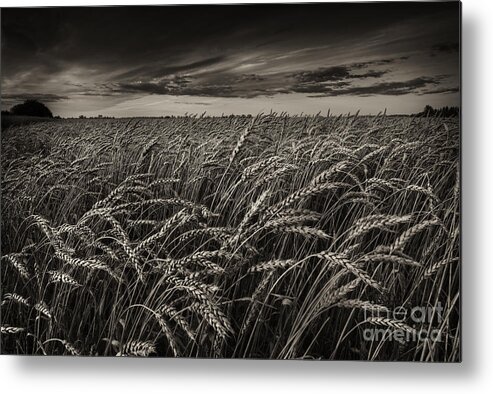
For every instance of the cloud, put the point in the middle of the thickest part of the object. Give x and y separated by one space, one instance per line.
395 88
453 89
170 85
163 70
341 72
228 82
341 80
353 79
391 88
179 86
324 74
447 47
44 97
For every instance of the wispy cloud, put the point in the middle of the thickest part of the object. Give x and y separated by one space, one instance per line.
45 97
396 88
326 50
448 47
346 79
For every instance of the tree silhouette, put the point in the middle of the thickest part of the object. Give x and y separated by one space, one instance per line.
32 108
428 111
444 111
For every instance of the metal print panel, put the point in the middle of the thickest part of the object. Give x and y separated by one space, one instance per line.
232 181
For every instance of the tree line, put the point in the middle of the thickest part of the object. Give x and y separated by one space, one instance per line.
447 112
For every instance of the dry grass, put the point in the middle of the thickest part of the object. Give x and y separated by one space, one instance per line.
265 237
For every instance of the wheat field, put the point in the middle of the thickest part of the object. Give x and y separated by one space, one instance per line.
275 236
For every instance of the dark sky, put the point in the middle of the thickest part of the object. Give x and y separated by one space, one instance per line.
158 60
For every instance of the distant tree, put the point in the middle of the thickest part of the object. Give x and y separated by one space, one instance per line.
428 111
82 117
444 111
31 108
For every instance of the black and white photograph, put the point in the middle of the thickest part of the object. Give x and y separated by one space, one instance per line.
242 181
